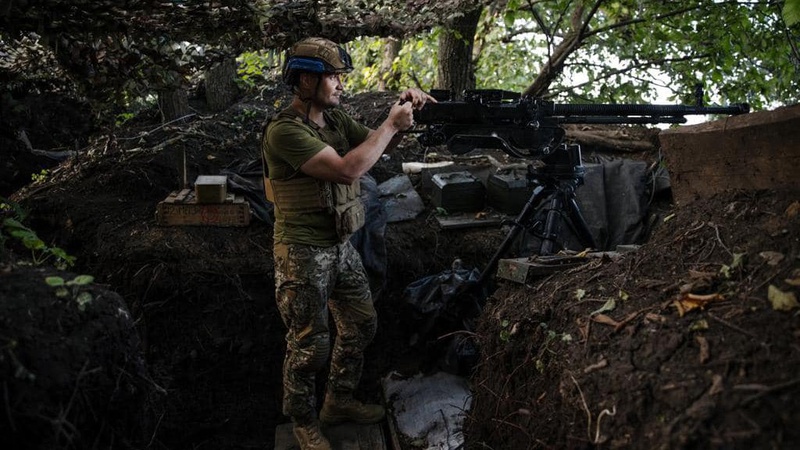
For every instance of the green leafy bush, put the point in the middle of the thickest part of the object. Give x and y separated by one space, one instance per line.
12 227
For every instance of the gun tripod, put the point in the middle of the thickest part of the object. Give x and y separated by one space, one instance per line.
554 196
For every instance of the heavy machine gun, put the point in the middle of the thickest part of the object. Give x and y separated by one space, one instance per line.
532 128
526 127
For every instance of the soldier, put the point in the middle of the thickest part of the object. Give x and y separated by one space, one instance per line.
314 155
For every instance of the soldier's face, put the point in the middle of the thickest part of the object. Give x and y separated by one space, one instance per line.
329 90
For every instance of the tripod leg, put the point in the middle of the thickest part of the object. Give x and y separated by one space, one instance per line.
552 225
581 228
520 222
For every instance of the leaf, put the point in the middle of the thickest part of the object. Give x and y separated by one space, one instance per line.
699 325
61 254
83 280
33 243
13 224
605 320
738 260
608 306
781 301
793 210
54 281
772 258
791 12
691 302
794 278
83 299
623 295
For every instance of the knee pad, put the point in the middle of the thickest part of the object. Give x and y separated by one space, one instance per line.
315 351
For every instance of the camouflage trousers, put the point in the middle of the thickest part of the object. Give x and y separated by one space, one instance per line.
311 282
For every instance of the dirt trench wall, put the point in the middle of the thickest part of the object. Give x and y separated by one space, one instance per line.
601 355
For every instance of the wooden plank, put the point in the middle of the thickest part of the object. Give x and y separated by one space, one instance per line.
172 212
181 196
523 270
470 220
347 436
753 151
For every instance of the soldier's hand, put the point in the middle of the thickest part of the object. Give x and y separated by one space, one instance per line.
401 116
416 97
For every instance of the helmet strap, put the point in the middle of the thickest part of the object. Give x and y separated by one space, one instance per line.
307 100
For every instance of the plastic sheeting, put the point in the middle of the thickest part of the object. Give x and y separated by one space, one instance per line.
247 178
429 411
443 303
370 240
613 202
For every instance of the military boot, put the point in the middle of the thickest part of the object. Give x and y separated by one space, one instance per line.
310 437
343 408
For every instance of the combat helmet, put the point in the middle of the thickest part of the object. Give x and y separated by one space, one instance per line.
316 55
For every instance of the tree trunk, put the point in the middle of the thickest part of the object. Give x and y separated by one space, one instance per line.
173 104
221 89
455 54
388 76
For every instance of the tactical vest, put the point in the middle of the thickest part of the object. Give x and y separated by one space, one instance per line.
302 194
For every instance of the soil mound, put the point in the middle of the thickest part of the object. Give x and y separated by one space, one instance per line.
74 375
679 344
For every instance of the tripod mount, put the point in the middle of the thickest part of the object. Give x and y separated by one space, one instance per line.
553 194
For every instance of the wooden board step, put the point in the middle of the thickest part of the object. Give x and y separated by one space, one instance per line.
347 436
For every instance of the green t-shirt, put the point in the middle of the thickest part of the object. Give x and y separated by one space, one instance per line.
287 144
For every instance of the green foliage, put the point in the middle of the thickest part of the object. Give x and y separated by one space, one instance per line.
545 352
632 51
12 227
505 333
416 64
72 288
124 117
257 69
245 115
644 50
791 12
39 177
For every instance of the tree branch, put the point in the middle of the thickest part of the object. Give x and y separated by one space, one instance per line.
563 50
626 23
644 65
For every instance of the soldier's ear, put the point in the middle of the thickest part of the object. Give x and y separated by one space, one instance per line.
308 80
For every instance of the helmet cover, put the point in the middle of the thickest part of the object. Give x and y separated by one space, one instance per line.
316 55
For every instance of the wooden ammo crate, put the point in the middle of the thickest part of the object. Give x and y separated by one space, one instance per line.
182 208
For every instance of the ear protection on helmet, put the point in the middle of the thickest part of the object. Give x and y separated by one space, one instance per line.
316 55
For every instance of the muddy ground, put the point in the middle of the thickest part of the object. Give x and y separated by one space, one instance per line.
559 366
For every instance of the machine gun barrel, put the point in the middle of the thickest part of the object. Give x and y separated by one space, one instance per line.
525 126
635 113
